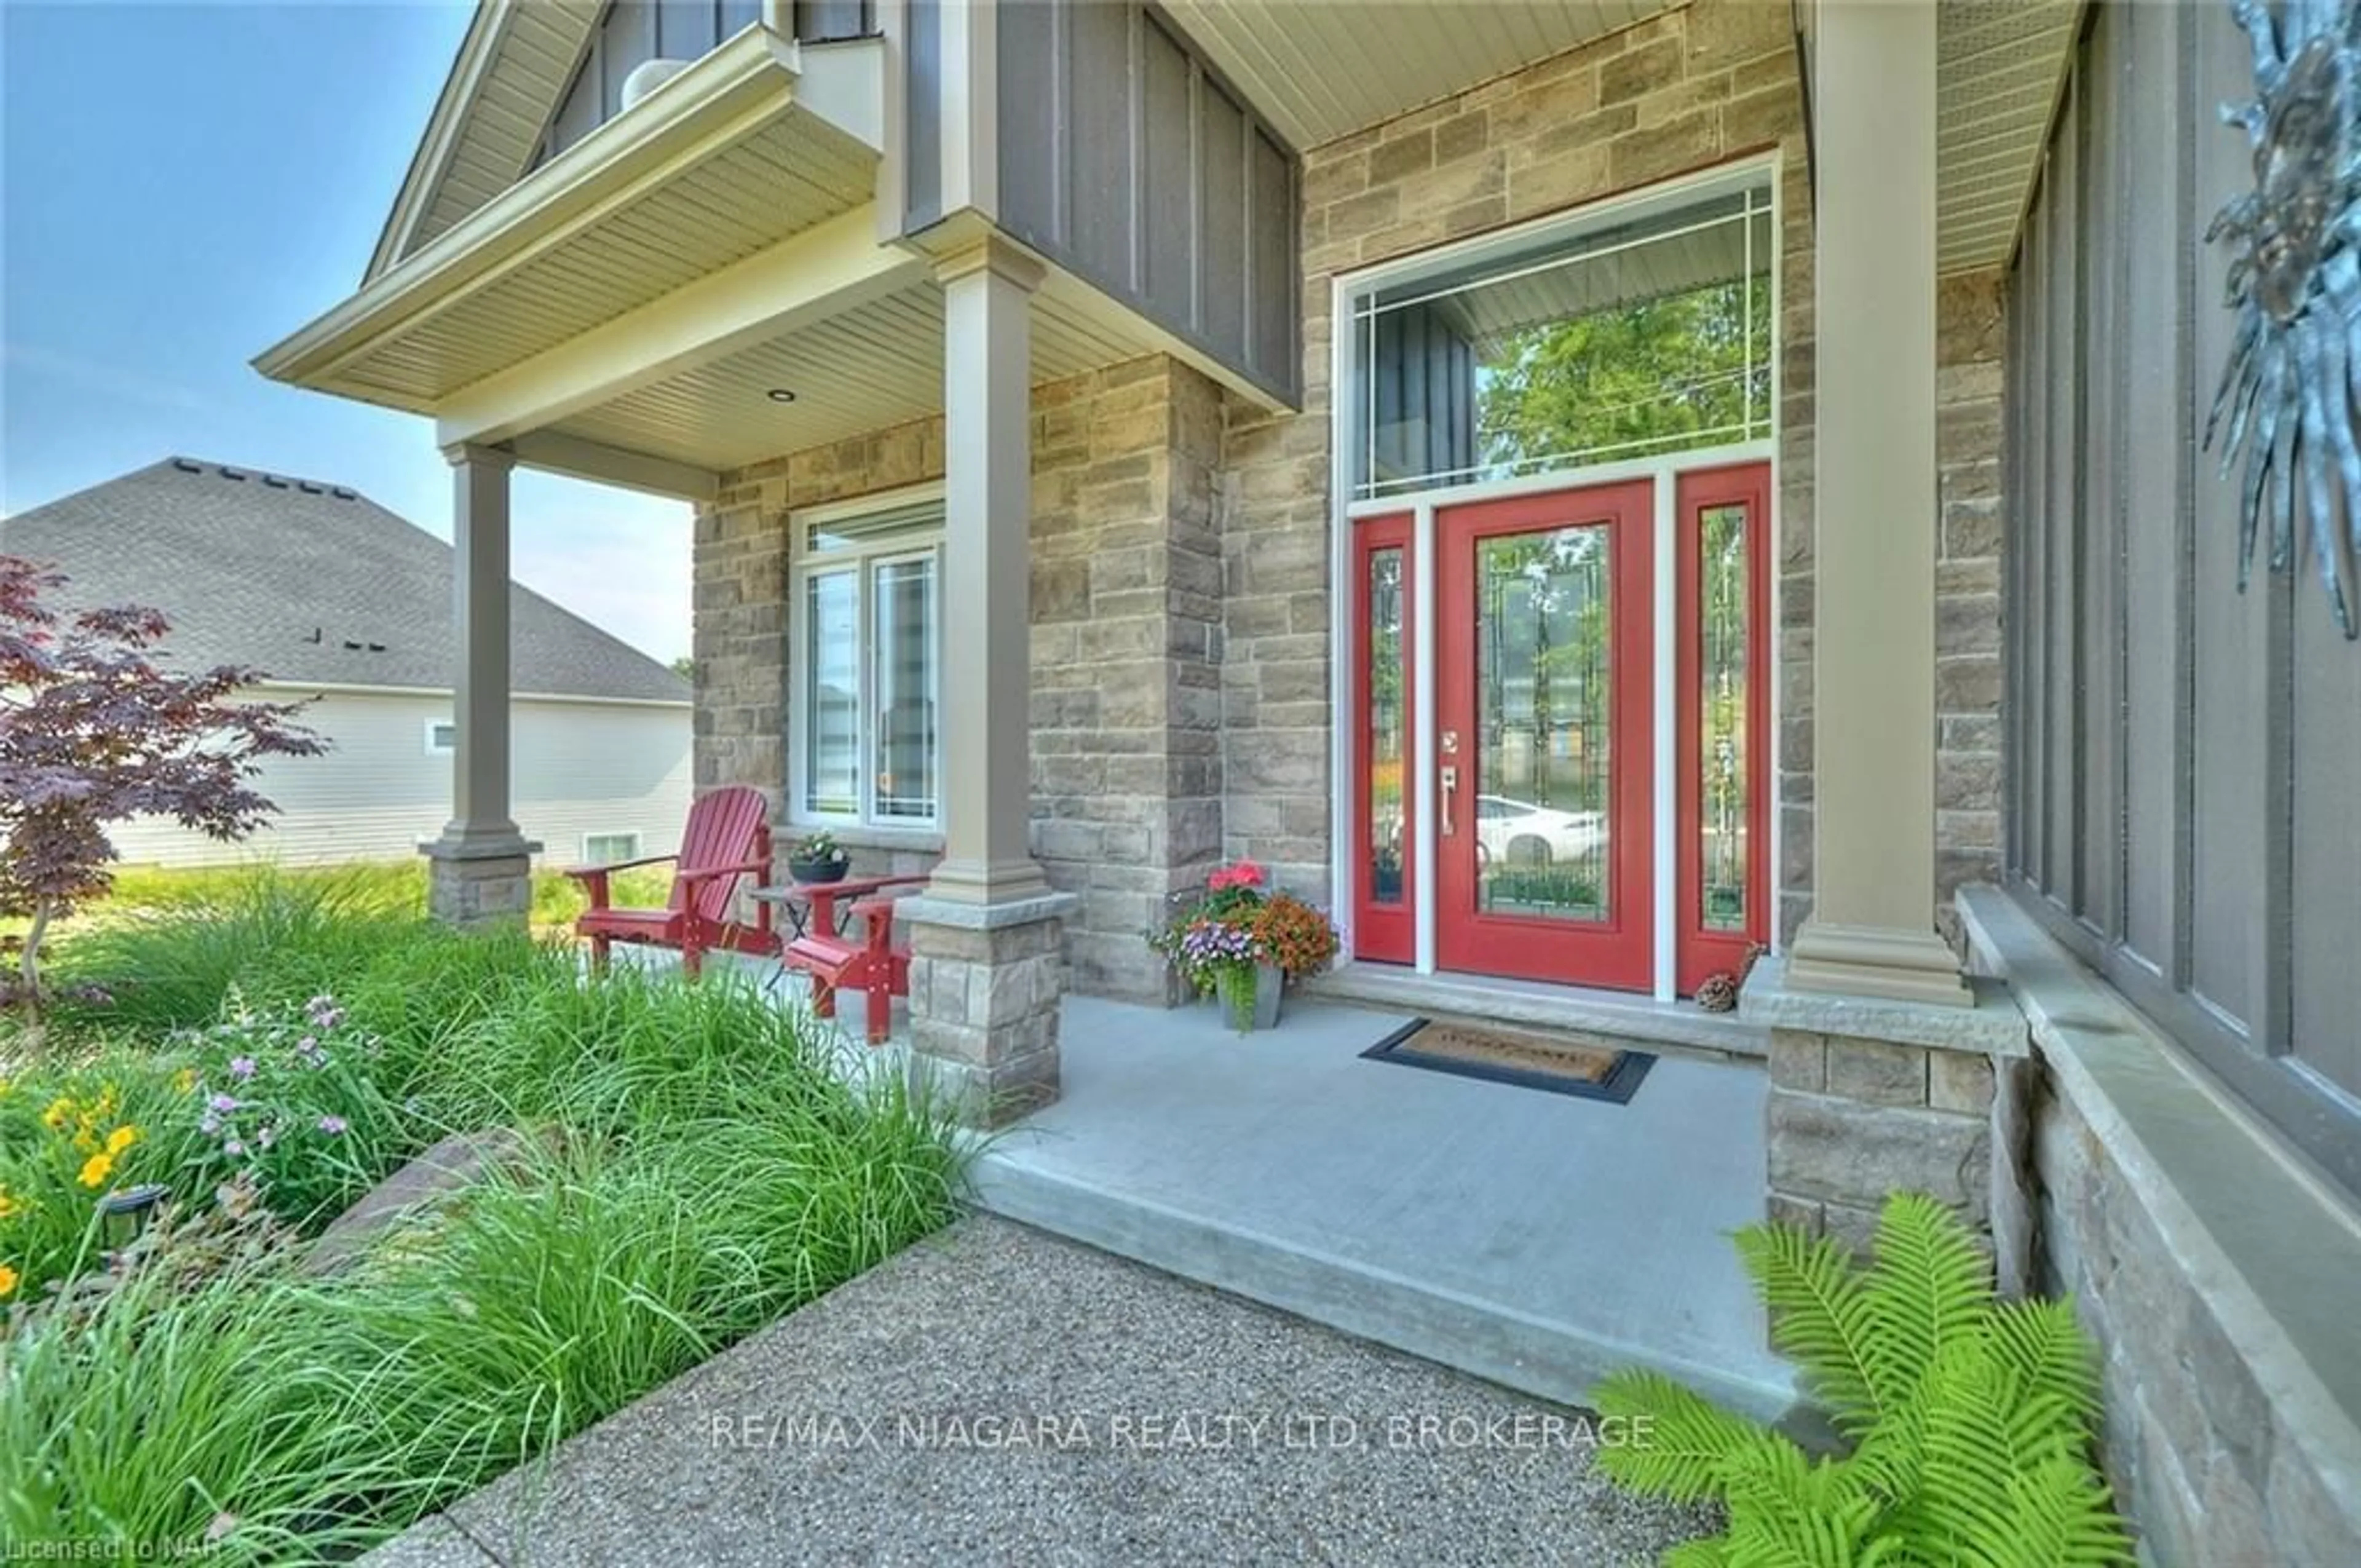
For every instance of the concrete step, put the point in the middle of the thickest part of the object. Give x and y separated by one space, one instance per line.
1625 1018
1553 1357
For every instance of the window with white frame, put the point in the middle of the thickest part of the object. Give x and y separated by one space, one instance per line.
442 737
1642 335
609 848
864 656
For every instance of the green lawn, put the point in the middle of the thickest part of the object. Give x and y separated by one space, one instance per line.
276 1044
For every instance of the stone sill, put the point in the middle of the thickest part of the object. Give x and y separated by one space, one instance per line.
2270 1246
1992 1028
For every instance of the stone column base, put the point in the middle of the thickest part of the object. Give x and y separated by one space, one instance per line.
1868 1097
479 882
985 982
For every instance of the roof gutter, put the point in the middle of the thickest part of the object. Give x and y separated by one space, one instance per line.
363 689
724 96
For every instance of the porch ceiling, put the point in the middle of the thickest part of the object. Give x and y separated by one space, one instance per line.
863 370
1999 68
1320 70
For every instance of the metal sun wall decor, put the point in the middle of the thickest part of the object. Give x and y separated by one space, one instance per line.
2291 391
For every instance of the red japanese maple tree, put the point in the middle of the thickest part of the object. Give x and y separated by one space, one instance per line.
94 731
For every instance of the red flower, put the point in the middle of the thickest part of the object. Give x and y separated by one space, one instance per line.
1240 873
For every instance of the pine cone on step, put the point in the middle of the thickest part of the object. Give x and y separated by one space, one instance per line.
1720 993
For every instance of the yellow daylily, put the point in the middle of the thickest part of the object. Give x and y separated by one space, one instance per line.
60 1113
96 1169
185 1080
7 1205
7 1280
121 1138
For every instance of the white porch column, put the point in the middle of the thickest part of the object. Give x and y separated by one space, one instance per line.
482 864
987 965
1872 931
988 575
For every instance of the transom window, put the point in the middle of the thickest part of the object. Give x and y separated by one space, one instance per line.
864 652
1650 338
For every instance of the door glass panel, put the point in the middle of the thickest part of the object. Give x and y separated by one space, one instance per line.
1386 738
1543 678
1722 748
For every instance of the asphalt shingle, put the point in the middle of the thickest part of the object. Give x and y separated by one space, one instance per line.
305 581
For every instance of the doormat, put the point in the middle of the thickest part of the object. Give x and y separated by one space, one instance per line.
1528 1062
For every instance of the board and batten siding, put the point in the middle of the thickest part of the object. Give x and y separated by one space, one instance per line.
2182 800
1125 158
633 32
580 768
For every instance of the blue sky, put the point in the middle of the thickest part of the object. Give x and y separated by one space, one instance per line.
185 184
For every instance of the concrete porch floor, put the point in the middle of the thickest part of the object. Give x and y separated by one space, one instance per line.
1537 1240
1534 1239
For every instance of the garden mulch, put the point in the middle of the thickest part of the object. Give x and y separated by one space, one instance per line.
996 1395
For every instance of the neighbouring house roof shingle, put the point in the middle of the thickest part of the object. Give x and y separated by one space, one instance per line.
305 582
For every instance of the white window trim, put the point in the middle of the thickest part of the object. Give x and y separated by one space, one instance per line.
1763 169
803 564
591 859
435 748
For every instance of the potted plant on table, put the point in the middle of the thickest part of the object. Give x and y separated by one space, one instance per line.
1243 942
818 858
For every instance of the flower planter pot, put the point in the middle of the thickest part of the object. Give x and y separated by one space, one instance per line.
1251 999
812 872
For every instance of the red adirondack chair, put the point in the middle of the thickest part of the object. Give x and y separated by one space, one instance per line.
728 837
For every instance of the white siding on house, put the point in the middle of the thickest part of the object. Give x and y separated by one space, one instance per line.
580 768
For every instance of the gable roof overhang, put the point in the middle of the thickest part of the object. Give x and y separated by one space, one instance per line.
737 153
512 65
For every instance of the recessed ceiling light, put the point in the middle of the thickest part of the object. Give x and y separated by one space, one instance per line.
780 395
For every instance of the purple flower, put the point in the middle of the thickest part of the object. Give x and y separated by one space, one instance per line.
234 1149
209 1123
331 1125
223 1104
267 1136
241 1068
323 1012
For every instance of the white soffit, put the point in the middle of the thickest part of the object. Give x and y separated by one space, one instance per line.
1322 69
872 368
795 172
1999 67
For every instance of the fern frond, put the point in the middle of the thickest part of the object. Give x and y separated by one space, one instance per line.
1681 1444
2061 1518
1708 1551
1817 1309
1984 1431
1789 1512
1928 1287
2041 1341
1891 1458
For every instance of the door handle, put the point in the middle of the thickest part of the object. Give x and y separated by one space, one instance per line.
1450 792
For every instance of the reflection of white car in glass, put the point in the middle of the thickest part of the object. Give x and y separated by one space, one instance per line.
1519 833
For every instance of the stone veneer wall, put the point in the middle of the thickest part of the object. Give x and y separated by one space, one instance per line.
1126 642
2196 1451
1970 334
1693 87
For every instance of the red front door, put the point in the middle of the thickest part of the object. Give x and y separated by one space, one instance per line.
1544 700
